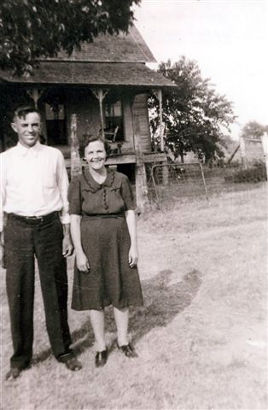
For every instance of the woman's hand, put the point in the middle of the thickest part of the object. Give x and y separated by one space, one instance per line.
133 256
82 262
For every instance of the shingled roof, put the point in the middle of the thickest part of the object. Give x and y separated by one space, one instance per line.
108 61
123 47
98 74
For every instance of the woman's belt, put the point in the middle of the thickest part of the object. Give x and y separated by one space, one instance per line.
104 216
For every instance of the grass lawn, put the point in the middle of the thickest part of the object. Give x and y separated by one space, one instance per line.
201 336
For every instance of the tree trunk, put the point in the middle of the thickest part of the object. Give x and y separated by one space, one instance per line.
76 166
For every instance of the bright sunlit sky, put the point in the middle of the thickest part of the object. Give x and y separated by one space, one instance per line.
227 38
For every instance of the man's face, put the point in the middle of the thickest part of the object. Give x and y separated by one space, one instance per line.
28 129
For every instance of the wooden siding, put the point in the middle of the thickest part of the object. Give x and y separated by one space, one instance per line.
128 144
141 124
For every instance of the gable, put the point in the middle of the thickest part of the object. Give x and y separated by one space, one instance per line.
107 48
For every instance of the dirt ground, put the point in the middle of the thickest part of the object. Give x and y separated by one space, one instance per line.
201 336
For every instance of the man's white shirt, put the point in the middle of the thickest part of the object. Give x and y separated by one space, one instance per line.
34 182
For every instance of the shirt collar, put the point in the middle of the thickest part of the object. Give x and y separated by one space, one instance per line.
28 151
94 185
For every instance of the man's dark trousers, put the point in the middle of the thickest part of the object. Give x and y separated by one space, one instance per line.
24 239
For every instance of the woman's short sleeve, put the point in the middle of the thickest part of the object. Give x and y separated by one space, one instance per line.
127 194
74 197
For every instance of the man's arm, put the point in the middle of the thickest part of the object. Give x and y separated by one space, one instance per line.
2 202
67 245
63 183
2 249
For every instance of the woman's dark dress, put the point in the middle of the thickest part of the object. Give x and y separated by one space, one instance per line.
105 241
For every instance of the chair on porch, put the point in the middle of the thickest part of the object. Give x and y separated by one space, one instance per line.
110 135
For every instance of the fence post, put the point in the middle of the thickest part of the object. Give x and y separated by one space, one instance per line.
165 173
203 179
264 140
243 152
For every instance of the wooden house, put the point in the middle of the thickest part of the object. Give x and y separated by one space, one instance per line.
103 88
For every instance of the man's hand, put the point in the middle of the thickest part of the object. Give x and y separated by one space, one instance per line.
2 262
1 254
67 246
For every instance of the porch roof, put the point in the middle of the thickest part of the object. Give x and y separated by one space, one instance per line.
89 73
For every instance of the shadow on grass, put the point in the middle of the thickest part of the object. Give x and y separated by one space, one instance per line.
162 303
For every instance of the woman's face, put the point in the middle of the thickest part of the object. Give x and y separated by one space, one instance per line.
95 155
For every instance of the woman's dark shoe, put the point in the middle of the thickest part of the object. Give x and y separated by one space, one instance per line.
101 358
128 350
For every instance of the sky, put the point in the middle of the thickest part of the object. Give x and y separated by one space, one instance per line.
227 38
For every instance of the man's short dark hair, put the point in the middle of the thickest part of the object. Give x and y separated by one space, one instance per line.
23 110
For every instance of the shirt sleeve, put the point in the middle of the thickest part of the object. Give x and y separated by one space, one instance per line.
63 184
74 196
2 190
127 194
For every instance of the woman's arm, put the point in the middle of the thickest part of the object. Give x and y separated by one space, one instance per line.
82 262
132 228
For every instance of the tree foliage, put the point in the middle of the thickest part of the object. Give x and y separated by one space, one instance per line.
253 130
30 29
196 118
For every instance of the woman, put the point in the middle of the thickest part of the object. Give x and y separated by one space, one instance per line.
103 229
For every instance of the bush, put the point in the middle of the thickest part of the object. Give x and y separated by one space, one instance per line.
256 173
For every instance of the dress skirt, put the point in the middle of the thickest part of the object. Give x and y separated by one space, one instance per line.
110 280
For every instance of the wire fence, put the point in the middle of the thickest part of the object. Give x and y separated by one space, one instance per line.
174 181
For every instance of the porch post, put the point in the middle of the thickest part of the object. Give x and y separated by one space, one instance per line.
100 95
76 166
161 125
162 147
35 94
142 199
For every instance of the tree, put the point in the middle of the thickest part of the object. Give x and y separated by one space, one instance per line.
194 115
30 29
253 130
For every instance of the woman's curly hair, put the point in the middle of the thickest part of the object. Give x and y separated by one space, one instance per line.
87 138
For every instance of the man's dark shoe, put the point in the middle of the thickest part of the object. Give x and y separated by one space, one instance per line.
73 364
101 358
128 350
13 373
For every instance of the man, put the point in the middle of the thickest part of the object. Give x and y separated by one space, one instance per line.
34 186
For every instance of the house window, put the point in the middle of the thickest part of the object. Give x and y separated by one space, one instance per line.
56 124
114 129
